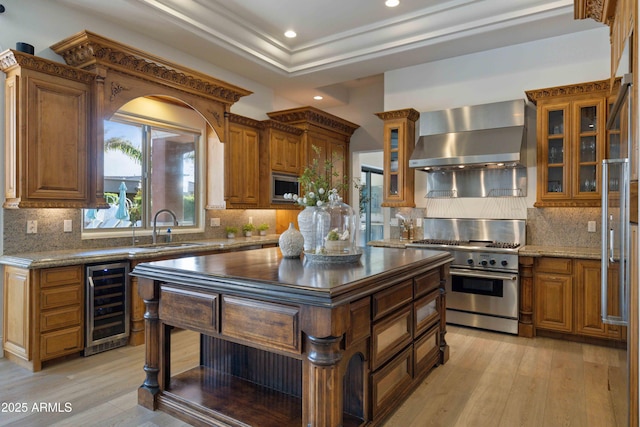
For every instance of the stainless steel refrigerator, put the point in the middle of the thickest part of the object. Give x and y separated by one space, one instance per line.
616 240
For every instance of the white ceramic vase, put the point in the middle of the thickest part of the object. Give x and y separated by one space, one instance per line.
306 223
291 242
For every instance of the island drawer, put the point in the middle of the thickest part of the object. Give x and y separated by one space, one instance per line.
389 383
182 308
427 282
426 312
268 324
426 351
396 296
391 335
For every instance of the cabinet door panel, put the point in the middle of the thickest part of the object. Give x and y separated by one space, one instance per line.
589 300
389 382
426 312
391 335
57 139
554 307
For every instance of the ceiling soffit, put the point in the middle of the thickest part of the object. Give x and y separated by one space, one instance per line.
450 20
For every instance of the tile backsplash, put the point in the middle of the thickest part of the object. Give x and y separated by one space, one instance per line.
50 235
563 227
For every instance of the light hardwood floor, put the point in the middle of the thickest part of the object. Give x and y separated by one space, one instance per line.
490 380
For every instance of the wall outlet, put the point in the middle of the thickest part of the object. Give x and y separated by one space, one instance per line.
32 226
418 222
591 226
68 225
214 222
250 220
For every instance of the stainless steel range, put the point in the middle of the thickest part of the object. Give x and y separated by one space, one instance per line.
484 289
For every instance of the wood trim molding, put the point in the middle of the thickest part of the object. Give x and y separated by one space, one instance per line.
86 50
408 113
598 10
12 58
312 115
274 124
569 90
244 121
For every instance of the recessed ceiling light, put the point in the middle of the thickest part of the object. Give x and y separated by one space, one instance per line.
290 33
317 97
392 3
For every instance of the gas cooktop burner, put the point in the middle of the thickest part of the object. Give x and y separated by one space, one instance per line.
466 243
503 245
441 242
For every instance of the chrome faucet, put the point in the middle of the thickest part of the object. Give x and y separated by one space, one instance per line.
155 220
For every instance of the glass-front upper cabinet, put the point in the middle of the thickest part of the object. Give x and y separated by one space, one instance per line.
571 143
399 140
590 138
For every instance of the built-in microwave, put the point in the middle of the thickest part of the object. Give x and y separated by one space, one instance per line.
282 184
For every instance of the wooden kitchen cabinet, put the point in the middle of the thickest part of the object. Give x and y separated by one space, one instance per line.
44 314
49 140
571 143
399 141
553 284
588 300
567 294
284 145
329 133
242 163
280 153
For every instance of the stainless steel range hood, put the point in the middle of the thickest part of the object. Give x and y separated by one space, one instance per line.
488 135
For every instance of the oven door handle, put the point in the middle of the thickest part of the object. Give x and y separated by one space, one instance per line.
483 274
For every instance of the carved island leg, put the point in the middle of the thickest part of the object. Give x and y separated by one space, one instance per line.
148 391
322 383
444 347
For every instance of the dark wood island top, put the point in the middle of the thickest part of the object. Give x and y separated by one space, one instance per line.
289 342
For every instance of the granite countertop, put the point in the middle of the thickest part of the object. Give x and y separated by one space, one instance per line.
264 272
527 250
140 253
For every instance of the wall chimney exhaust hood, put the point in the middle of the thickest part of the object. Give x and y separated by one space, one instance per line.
488 135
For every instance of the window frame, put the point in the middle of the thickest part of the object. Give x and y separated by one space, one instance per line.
199 179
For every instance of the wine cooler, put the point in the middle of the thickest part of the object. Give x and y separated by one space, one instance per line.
107 308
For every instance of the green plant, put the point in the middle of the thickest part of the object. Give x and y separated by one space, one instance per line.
318 181
248 227
230 229
263 227
333 235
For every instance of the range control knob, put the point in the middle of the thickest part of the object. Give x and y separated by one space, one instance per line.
470 261
504 262
492 262
483 262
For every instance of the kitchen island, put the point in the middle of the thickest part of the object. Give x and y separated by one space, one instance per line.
287 342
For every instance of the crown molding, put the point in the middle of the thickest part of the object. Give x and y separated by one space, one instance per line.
86 50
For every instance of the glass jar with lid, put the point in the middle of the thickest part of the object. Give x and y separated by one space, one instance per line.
335 227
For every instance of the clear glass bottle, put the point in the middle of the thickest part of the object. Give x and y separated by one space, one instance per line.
335 228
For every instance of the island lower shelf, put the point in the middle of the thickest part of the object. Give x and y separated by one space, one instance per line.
281 354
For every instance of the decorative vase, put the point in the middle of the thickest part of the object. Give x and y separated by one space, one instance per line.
291 242
335 228
306 223
231 235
